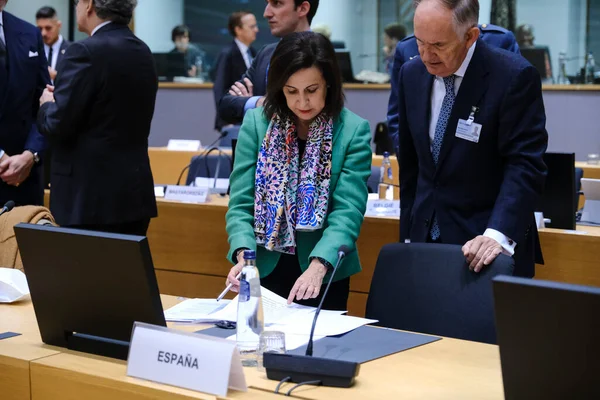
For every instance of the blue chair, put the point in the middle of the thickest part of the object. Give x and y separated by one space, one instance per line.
373 181
428 288
206 165
228 134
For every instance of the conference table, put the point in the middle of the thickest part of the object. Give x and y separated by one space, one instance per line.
31 370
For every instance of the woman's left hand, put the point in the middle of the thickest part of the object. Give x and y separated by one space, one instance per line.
308 286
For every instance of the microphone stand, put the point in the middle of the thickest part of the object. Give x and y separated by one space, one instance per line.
312 370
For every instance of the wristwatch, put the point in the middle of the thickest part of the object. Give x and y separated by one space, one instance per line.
36 157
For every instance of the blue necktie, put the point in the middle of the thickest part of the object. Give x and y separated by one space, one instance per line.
440 130
250 58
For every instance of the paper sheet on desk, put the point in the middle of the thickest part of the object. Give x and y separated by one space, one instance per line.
13 285
328 324
292 341
275 308
195 310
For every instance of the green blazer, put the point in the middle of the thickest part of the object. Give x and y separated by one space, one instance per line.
350 169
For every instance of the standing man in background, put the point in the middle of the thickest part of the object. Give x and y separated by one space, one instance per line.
284 17
54 43
234 60
406 50
23 77
98 121
472 137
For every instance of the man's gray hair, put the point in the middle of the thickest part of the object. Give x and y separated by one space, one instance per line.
465 12
119 11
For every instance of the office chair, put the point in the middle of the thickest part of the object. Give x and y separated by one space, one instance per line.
373 181
428 288
228 134
209 165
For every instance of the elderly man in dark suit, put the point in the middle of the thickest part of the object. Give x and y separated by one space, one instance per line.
284 17
471 139
98 121
407 49
23 77
235 59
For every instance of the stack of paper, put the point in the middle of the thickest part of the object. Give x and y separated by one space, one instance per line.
294 320
196 310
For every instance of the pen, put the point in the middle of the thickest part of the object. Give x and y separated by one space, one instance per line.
228 288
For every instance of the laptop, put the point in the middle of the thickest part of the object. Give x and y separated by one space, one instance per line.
539 57
88 288
345 64
549 338
558 201
170 65
591 209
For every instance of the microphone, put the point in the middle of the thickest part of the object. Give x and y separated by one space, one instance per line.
308 369
208 150
342 251
7 207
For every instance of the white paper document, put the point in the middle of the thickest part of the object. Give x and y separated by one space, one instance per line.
275 308
13 285
195 310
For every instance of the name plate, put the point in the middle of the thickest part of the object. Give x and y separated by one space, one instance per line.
186 194
183 145
187 360
383 208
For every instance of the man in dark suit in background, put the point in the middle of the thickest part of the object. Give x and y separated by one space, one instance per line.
54 47
23 77
406 49
284 17
54 44
471 139
235 59
98 121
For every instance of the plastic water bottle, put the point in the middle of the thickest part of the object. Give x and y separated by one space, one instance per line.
250 318
386 190
590 68
562 69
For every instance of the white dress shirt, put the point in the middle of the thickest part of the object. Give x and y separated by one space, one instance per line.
244 50
55 50
438 91
100 26
2 37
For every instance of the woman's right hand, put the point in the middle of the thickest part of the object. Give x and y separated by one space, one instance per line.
234 272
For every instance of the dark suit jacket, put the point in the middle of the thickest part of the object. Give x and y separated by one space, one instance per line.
229 68
491 184
61 54
407 48
231 108
99 127
19 103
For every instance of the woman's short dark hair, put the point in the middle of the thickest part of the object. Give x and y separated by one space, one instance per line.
179 31
297 51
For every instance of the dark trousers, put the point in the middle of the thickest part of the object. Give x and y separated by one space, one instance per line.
287 271
128 228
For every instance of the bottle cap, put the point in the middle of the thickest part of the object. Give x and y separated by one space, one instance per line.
249 255
386 154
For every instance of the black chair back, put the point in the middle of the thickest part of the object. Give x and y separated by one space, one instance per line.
428 288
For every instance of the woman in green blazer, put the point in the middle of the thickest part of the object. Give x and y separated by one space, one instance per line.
298 186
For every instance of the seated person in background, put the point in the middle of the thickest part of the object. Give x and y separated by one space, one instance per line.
194 56
406 50
307 193
392 34
325 30
525 35
236 58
